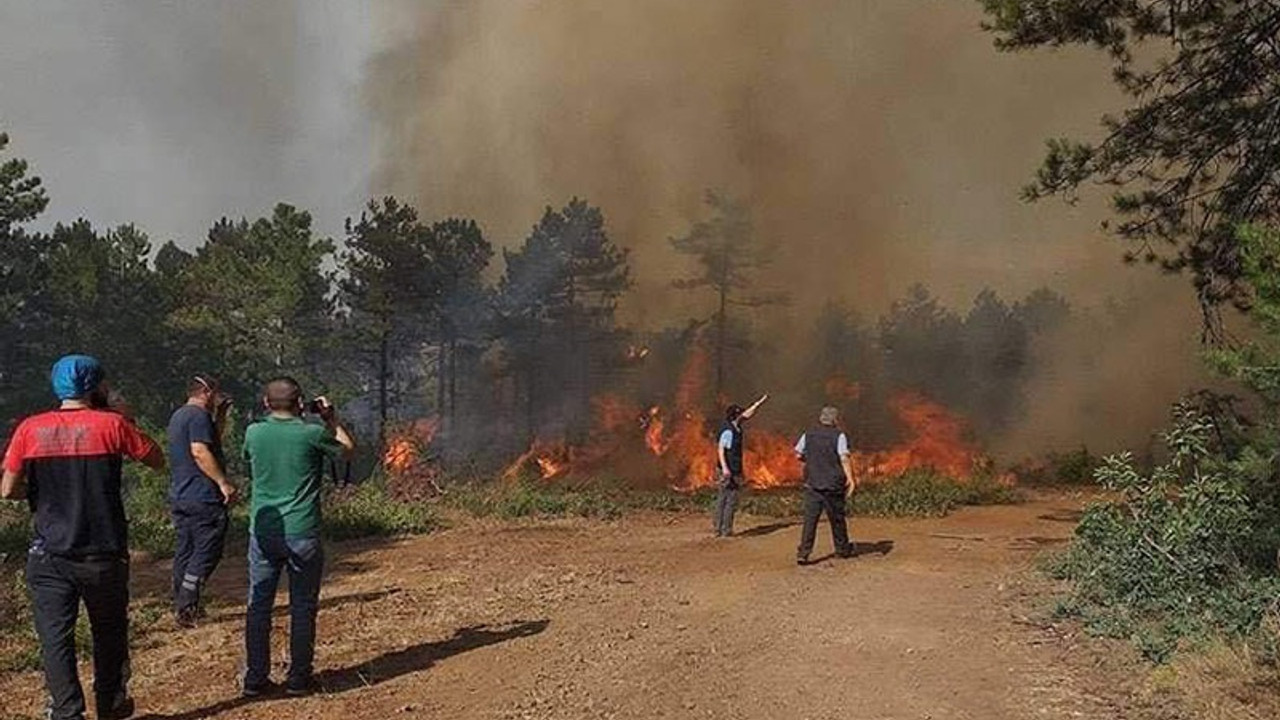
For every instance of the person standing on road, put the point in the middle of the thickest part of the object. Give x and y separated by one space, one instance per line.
67 463
286 458
828 482
199 492
729 453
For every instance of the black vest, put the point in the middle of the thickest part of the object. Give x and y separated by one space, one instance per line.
732 455
822 468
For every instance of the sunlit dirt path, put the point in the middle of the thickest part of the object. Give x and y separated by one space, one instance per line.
649 617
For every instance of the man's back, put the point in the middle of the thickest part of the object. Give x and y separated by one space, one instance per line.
72 460
822 448
286 461
192 424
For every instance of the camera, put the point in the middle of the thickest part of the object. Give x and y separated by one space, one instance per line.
315 407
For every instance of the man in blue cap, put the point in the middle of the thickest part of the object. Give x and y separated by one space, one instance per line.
729 456
67 464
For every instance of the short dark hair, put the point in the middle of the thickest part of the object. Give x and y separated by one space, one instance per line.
732 412
200 382
283 393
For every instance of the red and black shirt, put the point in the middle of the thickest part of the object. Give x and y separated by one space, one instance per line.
72 461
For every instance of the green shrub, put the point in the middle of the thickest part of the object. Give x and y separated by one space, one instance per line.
146 503
927 493
919 493
15 535
1076 467
770 503
368 510
1168 562
19 646
534 498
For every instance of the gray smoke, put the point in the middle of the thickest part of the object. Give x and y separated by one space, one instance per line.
879 144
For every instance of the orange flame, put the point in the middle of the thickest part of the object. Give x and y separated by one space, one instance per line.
551 459
683 444
549 467
405 446
653 427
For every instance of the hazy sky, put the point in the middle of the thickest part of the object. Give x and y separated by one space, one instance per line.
172 114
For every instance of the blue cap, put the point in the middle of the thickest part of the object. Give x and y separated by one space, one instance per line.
75 376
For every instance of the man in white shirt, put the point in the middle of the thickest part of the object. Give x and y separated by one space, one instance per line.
828 481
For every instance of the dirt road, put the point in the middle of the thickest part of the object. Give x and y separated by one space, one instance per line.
649 617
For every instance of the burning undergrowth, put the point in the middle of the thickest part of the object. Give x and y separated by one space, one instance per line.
673 445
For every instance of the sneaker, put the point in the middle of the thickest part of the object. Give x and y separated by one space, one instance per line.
258 689
802 560
186 617
123 709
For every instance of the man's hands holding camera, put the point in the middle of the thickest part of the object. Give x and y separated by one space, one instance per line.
325 409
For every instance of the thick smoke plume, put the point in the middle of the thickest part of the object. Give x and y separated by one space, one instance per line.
877 143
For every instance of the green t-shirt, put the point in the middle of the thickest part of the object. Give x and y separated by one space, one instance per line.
286 458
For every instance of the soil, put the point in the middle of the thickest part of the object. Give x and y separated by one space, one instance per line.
649 617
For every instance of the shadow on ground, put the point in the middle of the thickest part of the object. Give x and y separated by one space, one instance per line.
325 603
389 665
879 547
1063 515
761 530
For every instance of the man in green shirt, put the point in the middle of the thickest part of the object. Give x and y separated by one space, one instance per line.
286 458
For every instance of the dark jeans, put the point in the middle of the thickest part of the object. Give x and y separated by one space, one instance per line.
57 585
202 534
268 557
815 502
726 504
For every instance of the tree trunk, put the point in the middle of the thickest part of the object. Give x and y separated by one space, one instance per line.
720 342
453 381
441 370
384 379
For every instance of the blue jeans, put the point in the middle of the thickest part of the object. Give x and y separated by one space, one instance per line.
268 556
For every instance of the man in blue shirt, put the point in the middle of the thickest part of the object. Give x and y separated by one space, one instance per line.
828 481
729 452
199 492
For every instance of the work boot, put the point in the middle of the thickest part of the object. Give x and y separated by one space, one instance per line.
257 690
300 688
122 709
186 617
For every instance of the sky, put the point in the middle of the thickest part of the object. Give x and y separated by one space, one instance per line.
171 115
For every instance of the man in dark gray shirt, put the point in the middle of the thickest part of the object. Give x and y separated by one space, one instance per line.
828 481
199 492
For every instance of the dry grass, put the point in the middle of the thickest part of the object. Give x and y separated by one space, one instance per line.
1226 682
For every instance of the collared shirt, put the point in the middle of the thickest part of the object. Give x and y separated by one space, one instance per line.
842 445
726 439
